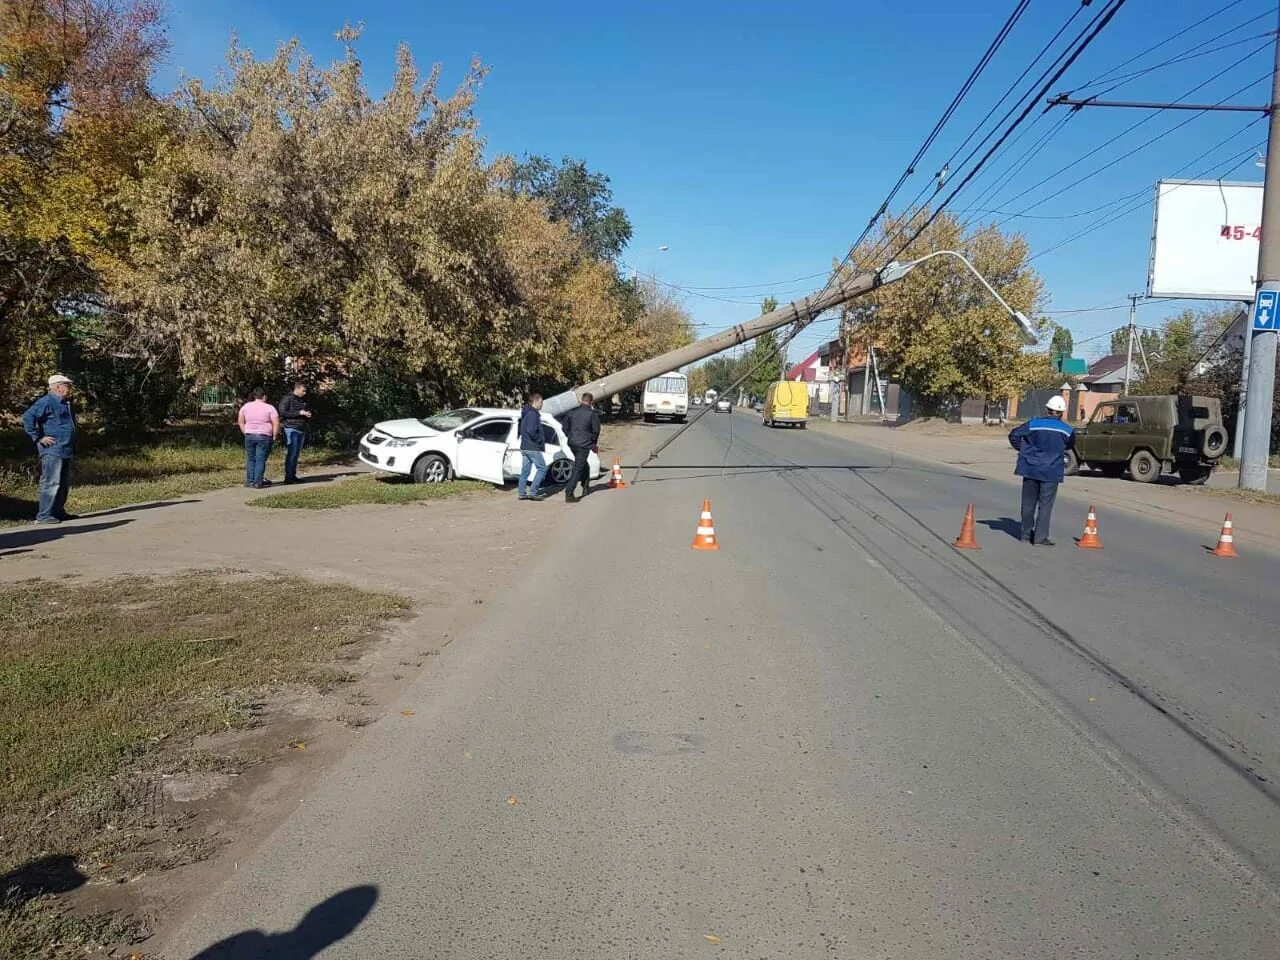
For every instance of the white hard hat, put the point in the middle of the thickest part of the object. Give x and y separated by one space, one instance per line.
1056 404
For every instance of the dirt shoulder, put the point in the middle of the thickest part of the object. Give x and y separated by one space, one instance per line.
985 451
445 557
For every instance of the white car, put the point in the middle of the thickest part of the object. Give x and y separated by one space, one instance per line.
724 406
478 443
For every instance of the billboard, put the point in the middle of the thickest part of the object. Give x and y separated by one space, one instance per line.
1204 243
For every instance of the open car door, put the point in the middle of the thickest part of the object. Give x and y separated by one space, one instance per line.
482 450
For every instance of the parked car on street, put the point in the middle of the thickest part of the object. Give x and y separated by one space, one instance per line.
724 406
473 443
1150 436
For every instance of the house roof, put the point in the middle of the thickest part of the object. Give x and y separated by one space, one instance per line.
1109 369
798 372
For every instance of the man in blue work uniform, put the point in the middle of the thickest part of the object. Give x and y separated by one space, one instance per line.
51 424
1041 444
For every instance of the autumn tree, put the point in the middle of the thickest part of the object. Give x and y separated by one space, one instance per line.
294 214
75 116
938 330
577 196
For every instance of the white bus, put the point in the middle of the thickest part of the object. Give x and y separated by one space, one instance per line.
666 396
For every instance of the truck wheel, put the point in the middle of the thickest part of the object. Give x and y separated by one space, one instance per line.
1143 467
1197 476
431 468
1070 463
1214 443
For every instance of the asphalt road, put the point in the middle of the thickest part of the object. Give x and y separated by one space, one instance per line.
836 737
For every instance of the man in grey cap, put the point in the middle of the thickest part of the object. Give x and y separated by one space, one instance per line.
51 424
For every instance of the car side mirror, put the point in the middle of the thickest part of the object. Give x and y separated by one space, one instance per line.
463 434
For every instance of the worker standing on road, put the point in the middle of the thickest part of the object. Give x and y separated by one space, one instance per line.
1041 443
582 428
532 446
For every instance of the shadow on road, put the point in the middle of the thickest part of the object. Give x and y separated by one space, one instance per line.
9 542
56 873
1005 525
324 925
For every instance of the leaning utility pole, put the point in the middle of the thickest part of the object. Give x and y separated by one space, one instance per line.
802 311
1262 351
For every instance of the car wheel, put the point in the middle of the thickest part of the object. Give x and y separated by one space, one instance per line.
1214 443
431 468
1070 463
1197 476
1143 467
560 471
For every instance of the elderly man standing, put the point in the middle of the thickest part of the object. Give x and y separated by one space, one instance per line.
51 423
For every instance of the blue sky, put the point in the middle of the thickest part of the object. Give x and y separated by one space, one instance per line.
756 139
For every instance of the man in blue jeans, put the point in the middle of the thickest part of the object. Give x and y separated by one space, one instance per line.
295 413
51 423
532 447
1042 443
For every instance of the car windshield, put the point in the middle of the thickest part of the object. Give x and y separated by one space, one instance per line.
450 419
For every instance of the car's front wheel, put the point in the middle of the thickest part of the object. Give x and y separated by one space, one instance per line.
1070 463
559 472
431 468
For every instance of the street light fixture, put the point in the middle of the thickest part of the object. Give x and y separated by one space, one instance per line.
896 271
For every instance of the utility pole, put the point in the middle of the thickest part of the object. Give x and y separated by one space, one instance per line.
1238 440
1133 314
1262 352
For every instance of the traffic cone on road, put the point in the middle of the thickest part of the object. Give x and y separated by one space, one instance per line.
966 540
1226 540
705 536
1089 540
615 480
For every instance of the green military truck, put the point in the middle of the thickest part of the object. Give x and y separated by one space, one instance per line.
1149 436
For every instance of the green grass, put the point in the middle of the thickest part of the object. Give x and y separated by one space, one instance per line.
104 685
367 489
109 473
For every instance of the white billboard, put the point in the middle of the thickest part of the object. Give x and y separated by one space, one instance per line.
1205 241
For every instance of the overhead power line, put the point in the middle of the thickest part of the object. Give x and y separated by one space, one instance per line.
1104 17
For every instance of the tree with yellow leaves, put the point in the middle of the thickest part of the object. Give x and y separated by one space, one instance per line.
939 331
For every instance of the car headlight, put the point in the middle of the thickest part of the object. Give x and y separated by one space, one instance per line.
399 443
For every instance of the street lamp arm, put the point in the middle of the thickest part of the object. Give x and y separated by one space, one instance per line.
1028 332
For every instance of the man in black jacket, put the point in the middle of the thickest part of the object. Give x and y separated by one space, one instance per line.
294 414
582 429
532 444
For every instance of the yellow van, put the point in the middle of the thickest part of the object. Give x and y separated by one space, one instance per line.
787 402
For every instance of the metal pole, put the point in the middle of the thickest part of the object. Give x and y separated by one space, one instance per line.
1128 366
1238 440
866 383
1262 356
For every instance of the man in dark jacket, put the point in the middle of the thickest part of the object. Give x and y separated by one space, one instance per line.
582 429
51 424
1041 444
295 414
532 446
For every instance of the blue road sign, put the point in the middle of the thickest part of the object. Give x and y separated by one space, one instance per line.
1264 311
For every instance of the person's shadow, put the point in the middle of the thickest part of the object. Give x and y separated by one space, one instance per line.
324 925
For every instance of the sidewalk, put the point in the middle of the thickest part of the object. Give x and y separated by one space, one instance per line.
985 451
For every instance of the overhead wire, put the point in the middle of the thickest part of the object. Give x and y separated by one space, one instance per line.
1083 42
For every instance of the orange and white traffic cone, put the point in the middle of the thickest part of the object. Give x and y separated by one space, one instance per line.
705 536
966 540
1089 540
615 480
1226 540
